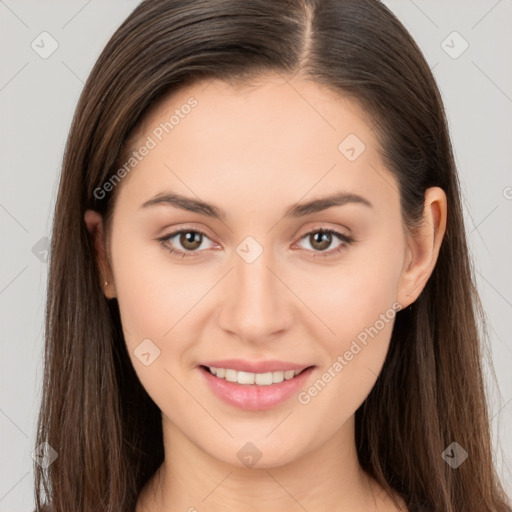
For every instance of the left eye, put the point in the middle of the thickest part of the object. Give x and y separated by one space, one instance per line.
192 239
324 238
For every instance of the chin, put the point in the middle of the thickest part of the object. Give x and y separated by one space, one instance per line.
257 454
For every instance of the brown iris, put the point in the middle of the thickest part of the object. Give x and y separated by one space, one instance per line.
323 238
190 240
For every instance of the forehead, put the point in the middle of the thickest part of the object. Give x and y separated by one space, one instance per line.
266 140
257 111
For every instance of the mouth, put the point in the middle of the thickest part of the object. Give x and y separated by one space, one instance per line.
255 391
249 378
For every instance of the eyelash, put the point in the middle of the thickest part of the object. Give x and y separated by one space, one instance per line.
347 240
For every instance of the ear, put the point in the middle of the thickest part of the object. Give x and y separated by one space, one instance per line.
423 247
94 222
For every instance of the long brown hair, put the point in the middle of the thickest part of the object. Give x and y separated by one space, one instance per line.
95 413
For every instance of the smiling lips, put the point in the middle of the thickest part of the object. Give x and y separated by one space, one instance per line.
254 386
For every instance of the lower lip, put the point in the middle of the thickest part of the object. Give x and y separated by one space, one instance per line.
252 396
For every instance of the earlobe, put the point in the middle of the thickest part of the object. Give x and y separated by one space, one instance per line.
423 247
94 223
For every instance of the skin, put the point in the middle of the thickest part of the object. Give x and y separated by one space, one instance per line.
253 151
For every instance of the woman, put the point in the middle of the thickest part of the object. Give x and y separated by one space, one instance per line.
260 294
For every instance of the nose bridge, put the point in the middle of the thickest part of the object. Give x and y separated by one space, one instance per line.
256 300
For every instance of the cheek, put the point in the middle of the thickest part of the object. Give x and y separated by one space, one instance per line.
153 292
354 355
357 292
155 300
359 307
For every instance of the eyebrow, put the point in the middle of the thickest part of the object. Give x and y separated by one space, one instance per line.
295 210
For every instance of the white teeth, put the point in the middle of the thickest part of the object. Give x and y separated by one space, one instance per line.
231 375
261 379
277 377
246 378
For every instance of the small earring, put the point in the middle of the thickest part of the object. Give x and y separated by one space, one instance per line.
106 282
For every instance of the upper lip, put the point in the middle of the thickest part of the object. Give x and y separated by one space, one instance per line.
243 365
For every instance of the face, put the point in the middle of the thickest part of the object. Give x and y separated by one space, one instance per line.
264 281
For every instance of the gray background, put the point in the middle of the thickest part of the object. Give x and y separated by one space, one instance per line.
38 96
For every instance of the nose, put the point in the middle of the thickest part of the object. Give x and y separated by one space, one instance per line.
258 305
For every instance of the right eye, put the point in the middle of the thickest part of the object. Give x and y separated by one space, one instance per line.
189 239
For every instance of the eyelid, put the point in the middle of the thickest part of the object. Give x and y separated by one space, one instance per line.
324 226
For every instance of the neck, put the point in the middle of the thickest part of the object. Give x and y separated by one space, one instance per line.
325 479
